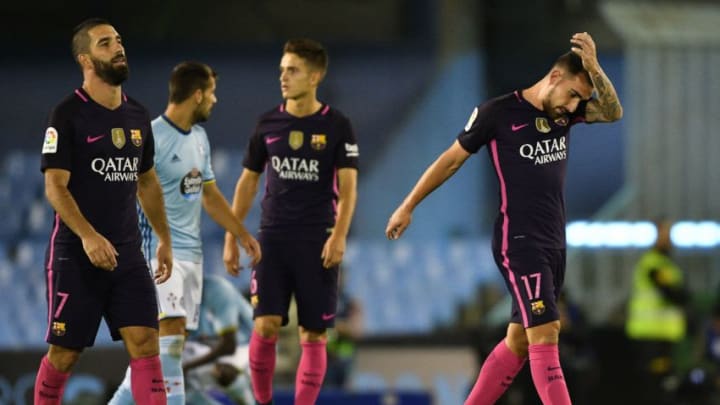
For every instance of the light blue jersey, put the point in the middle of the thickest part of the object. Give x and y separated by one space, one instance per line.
223 308
182 162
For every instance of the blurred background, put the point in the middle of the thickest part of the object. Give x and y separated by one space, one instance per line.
408 73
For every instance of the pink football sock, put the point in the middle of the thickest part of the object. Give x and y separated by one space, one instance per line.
548 375
262 366
310 373
146 381
496 375
49 384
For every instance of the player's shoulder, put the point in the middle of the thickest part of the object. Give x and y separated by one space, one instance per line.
503 101
274 113
334 114
134 104
70 104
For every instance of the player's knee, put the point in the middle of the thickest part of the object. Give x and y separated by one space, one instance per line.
312 336
548 333
62 359
140 341
268 327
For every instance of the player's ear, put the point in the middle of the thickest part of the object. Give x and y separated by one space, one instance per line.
198 96
83 60
556 74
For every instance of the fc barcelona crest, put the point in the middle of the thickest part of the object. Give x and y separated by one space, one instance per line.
542 125
296 140
318 141
118 137
136 137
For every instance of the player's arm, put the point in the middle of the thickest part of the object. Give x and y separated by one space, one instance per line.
442 169
151 200
334 248
245 191
605 107
219 210
224 347
99 250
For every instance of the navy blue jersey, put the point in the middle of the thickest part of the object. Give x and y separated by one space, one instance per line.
104 151
300 157
529 152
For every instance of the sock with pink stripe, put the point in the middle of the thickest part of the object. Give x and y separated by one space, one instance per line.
146 381
262 366
496 375
547 374
310 373
49 384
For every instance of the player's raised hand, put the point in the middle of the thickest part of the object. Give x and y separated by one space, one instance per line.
333 251
231 255
165 262
398 222
584 46
100 251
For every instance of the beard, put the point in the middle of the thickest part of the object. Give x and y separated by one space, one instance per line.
110 74
200 115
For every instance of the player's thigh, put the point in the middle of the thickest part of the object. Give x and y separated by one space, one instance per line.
76 295
133 301
316 287
270 283
529 275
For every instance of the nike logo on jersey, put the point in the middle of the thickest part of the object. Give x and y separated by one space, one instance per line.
91 139
175 158
516 128
327 317
272 140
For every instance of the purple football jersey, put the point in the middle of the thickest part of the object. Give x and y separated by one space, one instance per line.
300 157
105 151
529 152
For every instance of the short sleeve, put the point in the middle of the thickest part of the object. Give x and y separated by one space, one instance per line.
479 130
207 171
347 152
57 149
148 153
256 153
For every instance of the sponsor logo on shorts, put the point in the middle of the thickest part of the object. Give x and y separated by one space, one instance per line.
537 307
58 328
254 301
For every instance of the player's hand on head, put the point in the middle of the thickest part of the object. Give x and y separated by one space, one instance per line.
398 222
100 251
231 255
333 251
584 46
165 263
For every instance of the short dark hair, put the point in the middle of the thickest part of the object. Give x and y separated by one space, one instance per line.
81 39
187 77
310 50
572 63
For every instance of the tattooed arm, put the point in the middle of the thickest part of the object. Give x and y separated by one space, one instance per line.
606 106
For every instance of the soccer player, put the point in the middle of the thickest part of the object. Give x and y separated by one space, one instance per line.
527 134
184 168
97 157
309 154
216 355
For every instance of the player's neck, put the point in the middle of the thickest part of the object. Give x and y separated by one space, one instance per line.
105 94
302 107
532 95
179 116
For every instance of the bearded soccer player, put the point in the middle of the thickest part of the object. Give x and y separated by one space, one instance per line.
309 154
527 137
184 168
98 163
